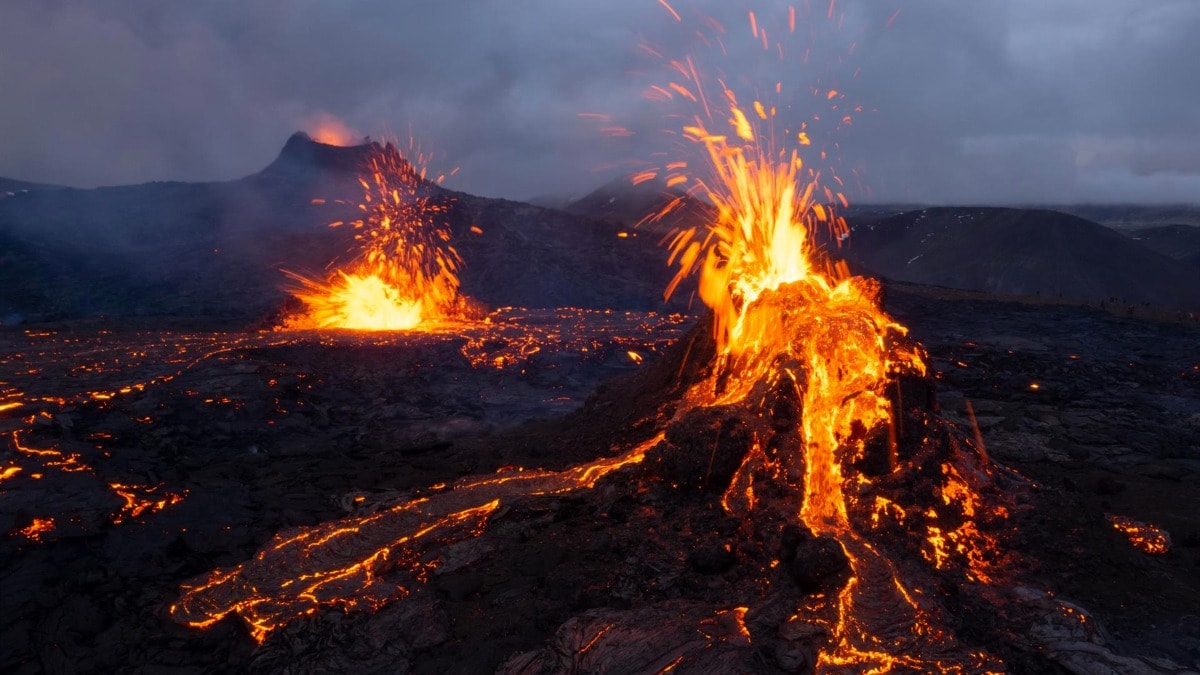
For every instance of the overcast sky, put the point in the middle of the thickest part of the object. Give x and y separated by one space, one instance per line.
976 101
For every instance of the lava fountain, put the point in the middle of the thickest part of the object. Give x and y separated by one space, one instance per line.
405 271
786 316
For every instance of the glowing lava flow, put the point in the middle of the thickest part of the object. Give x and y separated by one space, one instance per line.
370 561
406 271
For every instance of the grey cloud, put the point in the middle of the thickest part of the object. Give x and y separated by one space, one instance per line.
995 100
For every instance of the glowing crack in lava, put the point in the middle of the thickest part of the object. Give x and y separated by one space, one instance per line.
370 561
406 271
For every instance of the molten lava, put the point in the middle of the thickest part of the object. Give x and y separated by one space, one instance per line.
405 272
142 499
783 312
34 531
1144 537
369 561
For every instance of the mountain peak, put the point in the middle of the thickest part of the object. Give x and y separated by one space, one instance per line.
302 156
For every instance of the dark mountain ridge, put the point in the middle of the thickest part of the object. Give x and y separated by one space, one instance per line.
1021 252
1181 242
217 249
621 201
1005 251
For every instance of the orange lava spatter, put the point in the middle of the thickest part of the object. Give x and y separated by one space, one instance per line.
405 272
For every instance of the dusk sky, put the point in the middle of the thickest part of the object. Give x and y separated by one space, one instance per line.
992 101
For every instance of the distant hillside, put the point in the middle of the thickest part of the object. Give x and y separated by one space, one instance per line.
620 201
1181 242
167 247
1135 215
216 249
1022 252
10 187
623 202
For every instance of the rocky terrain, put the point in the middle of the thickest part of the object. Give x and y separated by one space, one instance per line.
1100 409
258 432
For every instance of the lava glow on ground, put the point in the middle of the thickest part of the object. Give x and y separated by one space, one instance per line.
118 374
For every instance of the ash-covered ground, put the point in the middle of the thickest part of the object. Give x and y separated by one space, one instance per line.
162 452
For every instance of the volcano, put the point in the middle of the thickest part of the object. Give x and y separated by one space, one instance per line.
821 473
793 448
650 556
216 249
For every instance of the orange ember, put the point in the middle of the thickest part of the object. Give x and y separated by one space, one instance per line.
1145 537
406 271
35 530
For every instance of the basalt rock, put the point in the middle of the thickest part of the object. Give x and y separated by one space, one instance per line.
818 564
703 449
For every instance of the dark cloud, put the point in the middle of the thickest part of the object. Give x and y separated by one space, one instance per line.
995 100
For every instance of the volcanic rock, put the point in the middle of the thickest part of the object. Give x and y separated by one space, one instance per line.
712 559
815 563
676 636
703 449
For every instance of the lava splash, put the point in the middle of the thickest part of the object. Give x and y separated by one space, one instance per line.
405 271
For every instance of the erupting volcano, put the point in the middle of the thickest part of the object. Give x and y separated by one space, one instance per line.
791 477
807 417
405 271
787 319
